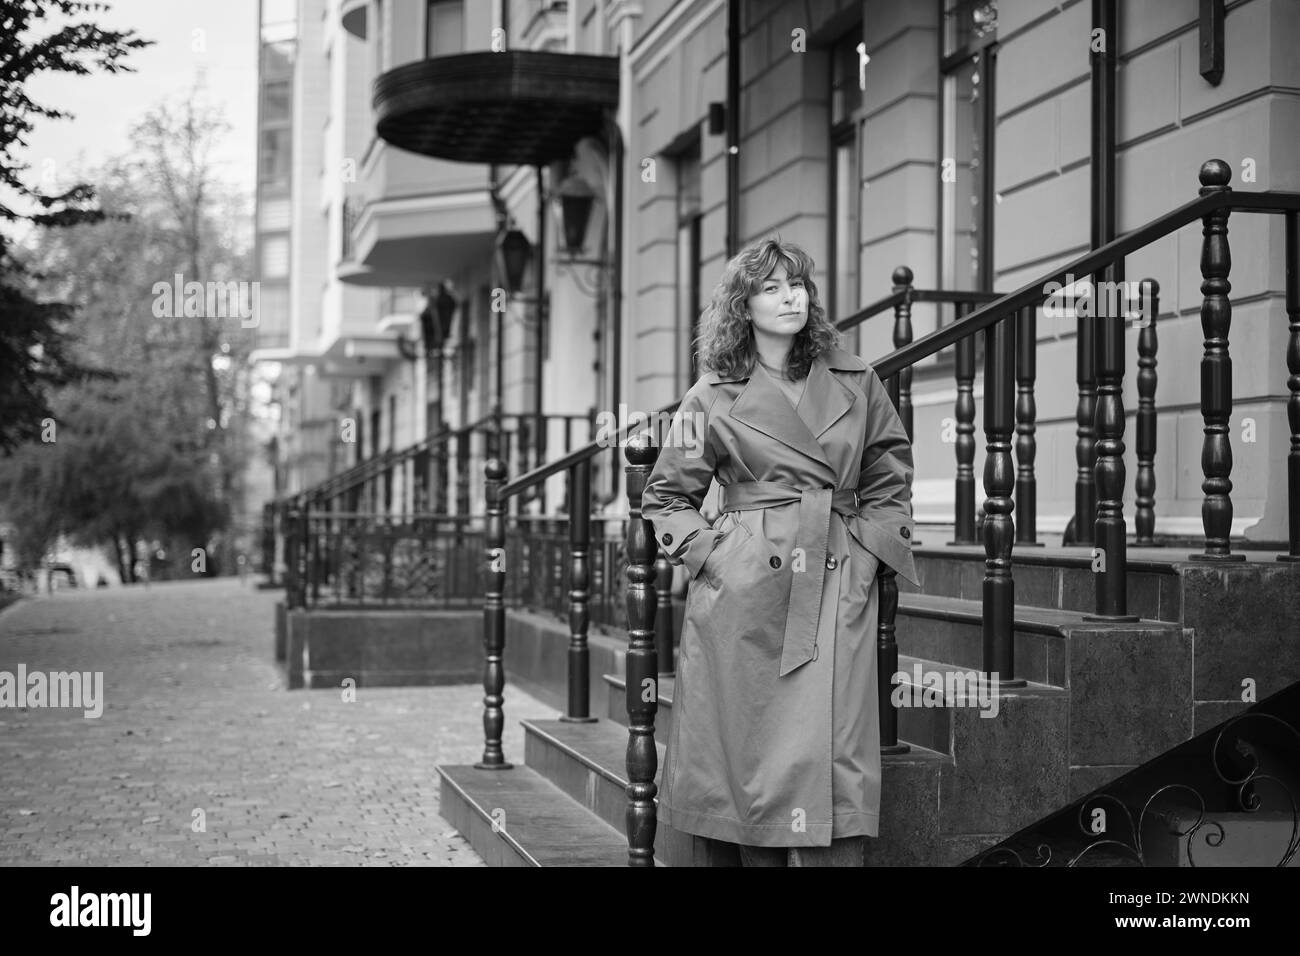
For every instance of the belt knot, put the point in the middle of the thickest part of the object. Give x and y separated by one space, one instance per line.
803 614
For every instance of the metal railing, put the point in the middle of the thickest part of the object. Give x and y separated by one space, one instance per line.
1008 395
367 561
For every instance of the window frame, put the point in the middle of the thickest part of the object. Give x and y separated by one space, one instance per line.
687 244
984 48
428 11
841 133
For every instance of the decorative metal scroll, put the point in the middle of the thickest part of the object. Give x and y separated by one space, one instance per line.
1205 831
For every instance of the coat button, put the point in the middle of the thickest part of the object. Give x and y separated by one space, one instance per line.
668 539
905 532
774 561
831 562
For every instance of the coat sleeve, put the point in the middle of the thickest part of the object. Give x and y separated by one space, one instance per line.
680 480
885 483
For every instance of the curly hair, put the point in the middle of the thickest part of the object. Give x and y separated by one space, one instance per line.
725 343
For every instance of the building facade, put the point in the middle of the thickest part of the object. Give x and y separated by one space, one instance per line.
952 137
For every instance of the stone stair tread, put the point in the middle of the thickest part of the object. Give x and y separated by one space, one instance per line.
602 747
664 692
906 662
542 823
1029 618
1158 560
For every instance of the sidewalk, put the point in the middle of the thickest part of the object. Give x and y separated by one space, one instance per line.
197 729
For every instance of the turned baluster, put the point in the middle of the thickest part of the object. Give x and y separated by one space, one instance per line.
886 634
579 593
1216 372
964 485
494 621
642 664
1026 427
1144 514
1110 555
903 336
1085 444
999 526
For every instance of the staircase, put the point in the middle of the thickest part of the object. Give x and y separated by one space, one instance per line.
1100 701
1113 676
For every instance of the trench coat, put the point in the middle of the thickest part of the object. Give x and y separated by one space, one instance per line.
775 738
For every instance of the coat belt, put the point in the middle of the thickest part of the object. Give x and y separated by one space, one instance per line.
799 645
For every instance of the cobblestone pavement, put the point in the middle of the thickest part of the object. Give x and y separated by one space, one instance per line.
196 718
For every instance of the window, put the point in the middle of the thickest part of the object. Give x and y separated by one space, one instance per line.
841 298
276 101
276 153
273 214
444 32
688 255
275 257
966 208
273 316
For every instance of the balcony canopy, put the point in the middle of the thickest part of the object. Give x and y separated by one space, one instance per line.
518 107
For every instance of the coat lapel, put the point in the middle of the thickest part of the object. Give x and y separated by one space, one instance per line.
826 400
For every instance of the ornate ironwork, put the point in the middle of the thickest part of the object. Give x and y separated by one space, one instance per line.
1242 785
392 561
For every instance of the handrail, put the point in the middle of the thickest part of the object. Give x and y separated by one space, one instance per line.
982 317
542 472
367 469
1088 264
364 470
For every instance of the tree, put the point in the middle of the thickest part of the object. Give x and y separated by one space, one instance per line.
176 143
135 456
34 339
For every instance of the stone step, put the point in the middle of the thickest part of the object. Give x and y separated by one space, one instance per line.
517 817
1053 577
935 702
616 704
588 762
1129 685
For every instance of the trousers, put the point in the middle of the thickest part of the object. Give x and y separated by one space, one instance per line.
843 851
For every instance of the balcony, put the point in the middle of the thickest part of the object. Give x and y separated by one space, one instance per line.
512 108
415 220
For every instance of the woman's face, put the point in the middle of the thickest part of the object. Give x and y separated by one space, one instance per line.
780 306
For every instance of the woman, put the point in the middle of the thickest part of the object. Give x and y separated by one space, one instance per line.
775 743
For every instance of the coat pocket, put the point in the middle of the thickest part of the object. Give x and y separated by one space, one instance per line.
890 549
733 530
